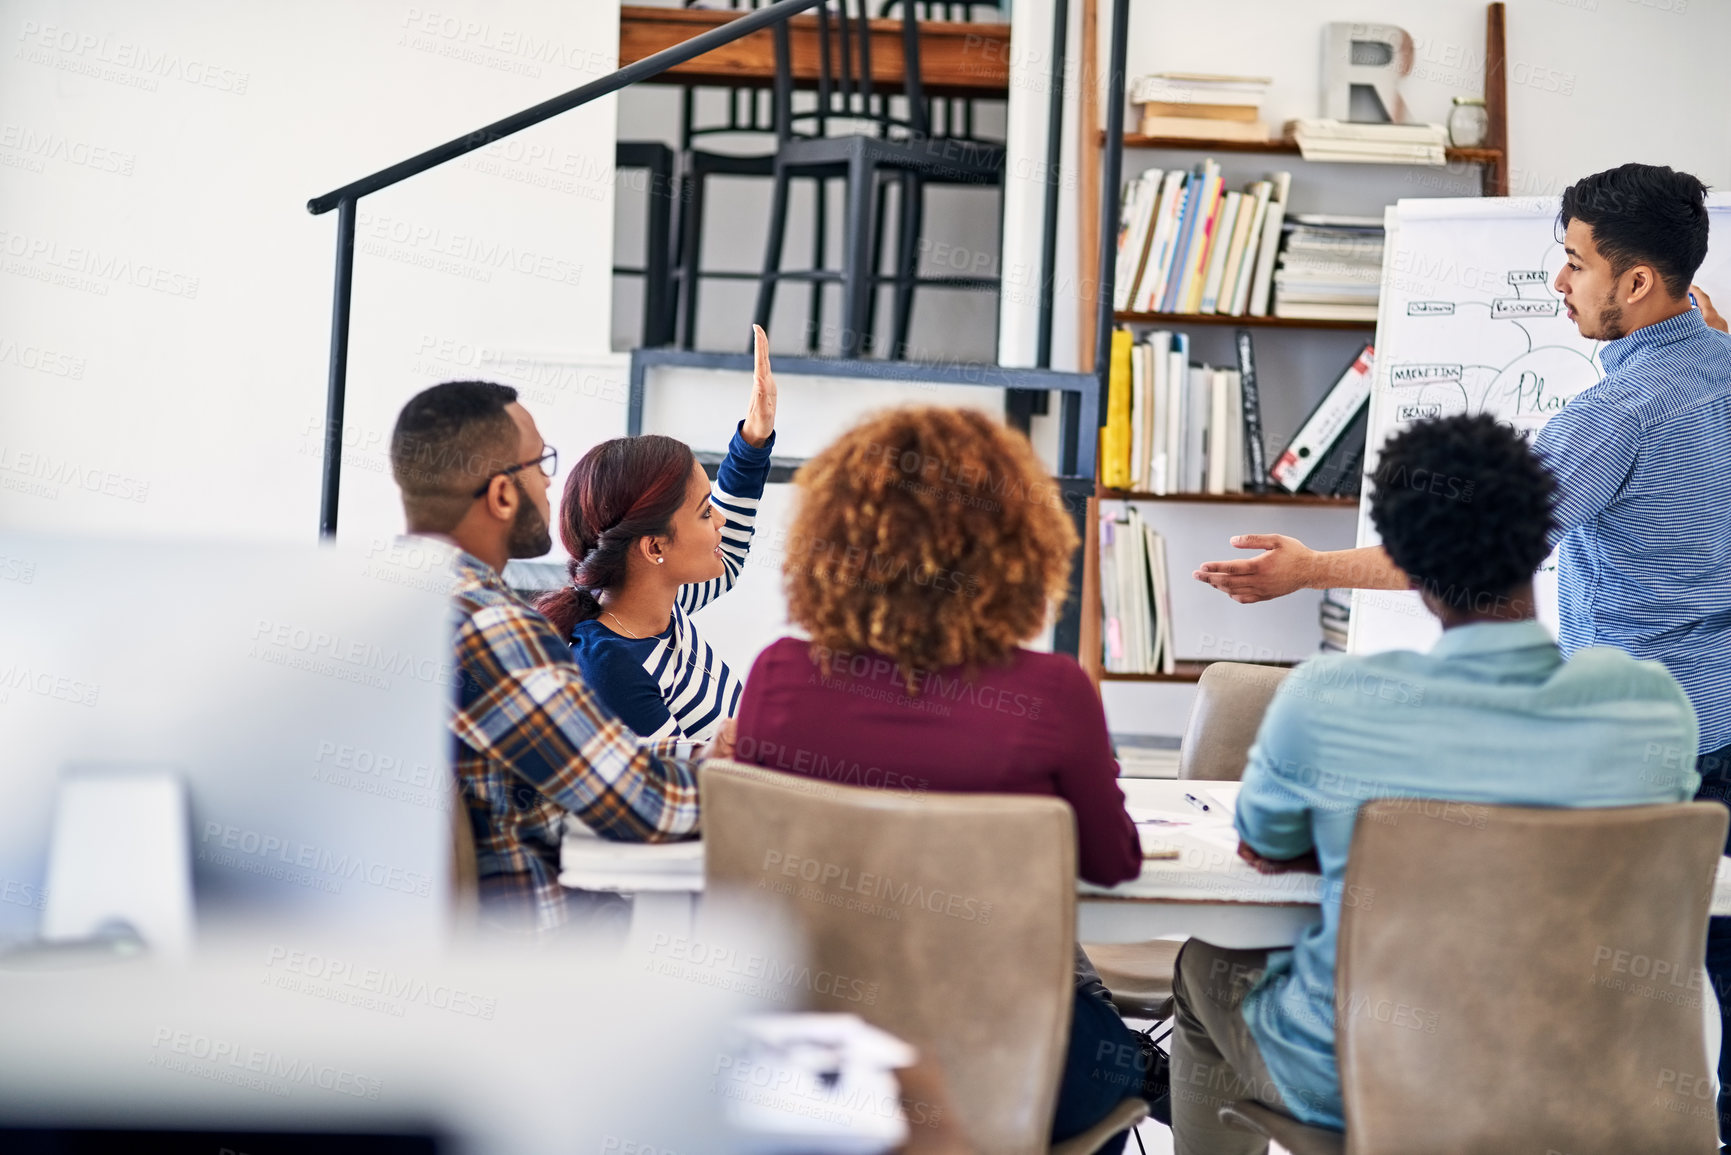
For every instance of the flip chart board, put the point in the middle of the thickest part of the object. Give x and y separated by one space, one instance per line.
1469 323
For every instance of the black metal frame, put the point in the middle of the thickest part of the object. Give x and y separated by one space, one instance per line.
657 271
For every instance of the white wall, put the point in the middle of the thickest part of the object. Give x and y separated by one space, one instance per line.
155 161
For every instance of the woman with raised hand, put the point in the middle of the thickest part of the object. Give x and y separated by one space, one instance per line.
651 543
928 545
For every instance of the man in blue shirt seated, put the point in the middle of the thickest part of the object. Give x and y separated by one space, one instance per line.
1491 715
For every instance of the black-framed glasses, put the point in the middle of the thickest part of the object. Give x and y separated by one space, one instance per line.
548 461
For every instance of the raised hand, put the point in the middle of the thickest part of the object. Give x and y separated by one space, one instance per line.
760 413
1281 567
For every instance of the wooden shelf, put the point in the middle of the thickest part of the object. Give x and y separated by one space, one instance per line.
1284 148
1180 320
1187 671
1231 498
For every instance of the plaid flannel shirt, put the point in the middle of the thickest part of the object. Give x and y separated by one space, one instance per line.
534 744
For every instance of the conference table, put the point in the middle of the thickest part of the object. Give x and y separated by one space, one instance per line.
1205 892
959 59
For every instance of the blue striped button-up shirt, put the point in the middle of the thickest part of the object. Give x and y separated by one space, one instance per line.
1643 465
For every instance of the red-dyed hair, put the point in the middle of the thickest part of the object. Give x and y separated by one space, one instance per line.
621 490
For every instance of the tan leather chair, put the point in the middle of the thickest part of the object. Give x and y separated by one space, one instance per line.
1499 986
1231 698
958 910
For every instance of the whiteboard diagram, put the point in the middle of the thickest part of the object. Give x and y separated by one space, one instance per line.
1469 323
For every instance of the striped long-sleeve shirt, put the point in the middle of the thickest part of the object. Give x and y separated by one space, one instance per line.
533 744
673 684
1644 510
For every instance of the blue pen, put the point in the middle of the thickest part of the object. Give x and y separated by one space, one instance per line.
1196 802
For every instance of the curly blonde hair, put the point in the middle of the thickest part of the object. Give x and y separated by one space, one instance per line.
932 536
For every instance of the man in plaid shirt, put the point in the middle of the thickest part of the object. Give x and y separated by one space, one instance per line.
533 744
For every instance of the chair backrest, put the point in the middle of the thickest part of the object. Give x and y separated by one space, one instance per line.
747 110
1231 698
953 913
1515 979
949 116
846 86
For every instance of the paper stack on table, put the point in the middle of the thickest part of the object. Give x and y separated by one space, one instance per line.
814 1084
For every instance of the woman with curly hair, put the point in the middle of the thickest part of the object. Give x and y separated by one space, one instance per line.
927 546
651 544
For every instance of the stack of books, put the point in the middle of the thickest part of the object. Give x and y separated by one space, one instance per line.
1197 106
1176 427
1135 597
1339 140
1330 268
1187 244
1326 455
1146 755
1336 617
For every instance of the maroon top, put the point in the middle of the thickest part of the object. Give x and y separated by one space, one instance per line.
1032 727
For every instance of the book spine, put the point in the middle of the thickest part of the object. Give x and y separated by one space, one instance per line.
1115 435
1325 424
1128 262
1325 480
1219 433
1153 284
1264 279
1235 253
1225 225
1213 197
1256 455
1182 239
1177 378
1252 245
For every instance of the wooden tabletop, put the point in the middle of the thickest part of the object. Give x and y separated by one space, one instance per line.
957 59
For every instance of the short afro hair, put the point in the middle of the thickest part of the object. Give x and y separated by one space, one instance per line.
449 439
1464 506
932 536
1643 214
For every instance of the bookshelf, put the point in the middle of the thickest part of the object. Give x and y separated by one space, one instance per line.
1493 163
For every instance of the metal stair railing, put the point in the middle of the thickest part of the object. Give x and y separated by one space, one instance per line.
344 199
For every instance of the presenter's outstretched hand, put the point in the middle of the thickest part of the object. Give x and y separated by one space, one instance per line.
1708 313
760 413
1283 565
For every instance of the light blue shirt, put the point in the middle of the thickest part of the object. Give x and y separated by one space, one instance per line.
1492 715
1644 509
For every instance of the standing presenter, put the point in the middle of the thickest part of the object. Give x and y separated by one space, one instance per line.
1644 492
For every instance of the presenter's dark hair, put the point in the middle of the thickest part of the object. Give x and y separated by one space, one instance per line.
621 490
1464 507
1643 214
448 440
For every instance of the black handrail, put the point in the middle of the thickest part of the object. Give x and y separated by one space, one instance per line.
345 197
649 66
